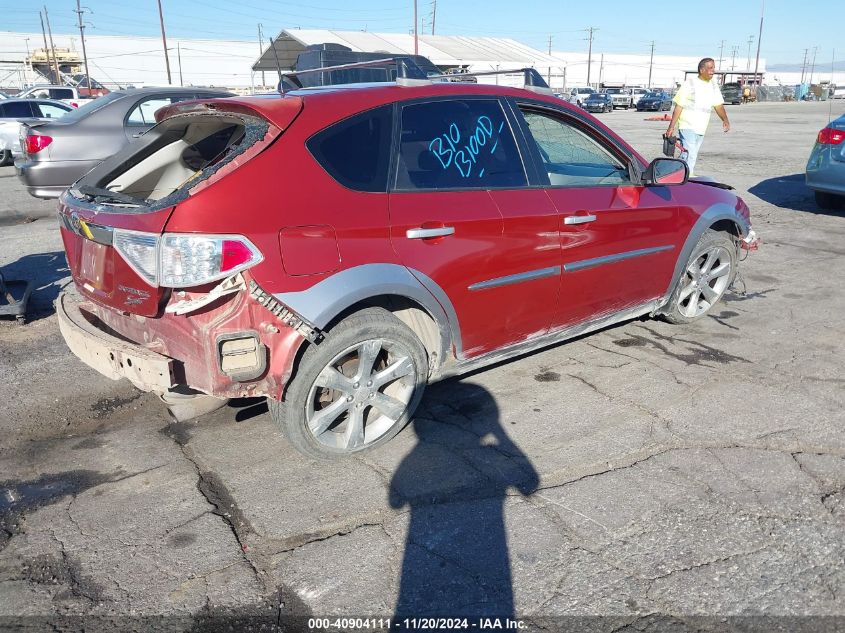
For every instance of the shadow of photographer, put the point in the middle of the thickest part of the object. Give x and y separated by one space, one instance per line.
456 559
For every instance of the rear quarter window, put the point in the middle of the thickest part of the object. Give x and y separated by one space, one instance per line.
457 144
356 151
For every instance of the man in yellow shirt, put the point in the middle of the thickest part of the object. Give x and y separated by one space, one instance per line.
693 103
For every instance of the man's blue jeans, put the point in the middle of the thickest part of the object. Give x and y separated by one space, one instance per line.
692 143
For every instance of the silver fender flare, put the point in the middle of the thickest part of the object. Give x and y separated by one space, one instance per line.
712 215
323 301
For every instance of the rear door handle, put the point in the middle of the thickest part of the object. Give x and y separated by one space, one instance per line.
421 233
579 219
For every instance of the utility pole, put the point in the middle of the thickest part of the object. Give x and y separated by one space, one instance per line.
804 66
748 58
734 51
261 52
433 14
650 64
416 37
84 54
590 52
549 76
53 48
164 41
46 48
601 69
179 58
721 57
813 67
759 39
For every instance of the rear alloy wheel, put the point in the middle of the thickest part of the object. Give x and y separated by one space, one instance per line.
829 200
708 274
356 389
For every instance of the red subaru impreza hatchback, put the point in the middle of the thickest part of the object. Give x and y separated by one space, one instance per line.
336 248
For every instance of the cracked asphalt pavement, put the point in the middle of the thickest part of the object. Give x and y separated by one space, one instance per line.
648 477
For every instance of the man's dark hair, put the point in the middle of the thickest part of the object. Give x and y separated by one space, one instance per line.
704 61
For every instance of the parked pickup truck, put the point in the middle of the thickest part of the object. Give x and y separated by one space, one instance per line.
621 97
68 94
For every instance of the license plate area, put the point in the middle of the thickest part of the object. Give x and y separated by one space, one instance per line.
94 265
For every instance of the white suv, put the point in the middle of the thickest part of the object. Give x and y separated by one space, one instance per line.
579 95
637 94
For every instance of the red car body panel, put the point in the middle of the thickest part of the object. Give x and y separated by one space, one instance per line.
513 269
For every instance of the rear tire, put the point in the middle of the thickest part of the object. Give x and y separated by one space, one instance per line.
6 157
829 200
709 272
356 389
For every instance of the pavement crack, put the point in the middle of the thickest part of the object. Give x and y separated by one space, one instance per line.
217 495
707 563
296 542
184 523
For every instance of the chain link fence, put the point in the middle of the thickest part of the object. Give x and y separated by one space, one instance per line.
794 93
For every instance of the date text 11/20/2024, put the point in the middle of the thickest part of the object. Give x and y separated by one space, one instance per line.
415 624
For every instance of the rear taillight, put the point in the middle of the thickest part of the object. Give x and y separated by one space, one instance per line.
185 260
36 142
831 136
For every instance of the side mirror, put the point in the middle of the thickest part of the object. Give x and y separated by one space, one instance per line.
666 171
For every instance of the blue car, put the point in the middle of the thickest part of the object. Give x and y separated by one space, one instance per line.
657 101
825 172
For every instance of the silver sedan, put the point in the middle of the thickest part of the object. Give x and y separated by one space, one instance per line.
56 154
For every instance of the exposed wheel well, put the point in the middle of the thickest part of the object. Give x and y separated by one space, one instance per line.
727 226
411 314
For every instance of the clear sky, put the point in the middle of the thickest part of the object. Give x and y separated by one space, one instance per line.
622 26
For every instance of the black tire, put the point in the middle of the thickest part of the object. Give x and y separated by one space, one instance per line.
696 294
829 200
329 379
6 157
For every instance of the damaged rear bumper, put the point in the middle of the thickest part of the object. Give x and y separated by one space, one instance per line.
113 357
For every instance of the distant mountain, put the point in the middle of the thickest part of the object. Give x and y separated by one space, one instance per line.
796 68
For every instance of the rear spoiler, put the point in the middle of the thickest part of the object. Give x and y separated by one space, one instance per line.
281 114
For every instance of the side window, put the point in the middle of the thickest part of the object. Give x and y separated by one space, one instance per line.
48 110
143 114
356 151
17 110
457 144
570 157
61 93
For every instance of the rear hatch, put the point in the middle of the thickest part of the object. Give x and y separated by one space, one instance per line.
112 219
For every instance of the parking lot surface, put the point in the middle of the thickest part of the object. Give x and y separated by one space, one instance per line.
646 477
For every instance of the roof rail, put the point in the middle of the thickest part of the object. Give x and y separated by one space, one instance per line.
407 72
533 80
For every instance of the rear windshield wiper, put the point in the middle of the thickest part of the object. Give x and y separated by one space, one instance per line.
100 194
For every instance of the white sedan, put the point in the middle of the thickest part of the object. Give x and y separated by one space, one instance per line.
13 111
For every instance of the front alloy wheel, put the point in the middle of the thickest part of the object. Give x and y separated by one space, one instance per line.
709 272
356 389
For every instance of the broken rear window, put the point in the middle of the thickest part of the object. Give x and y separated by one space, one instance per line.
171 159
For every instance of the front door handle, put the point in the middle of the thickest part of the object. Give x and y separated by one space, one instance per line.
579 219
421 233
